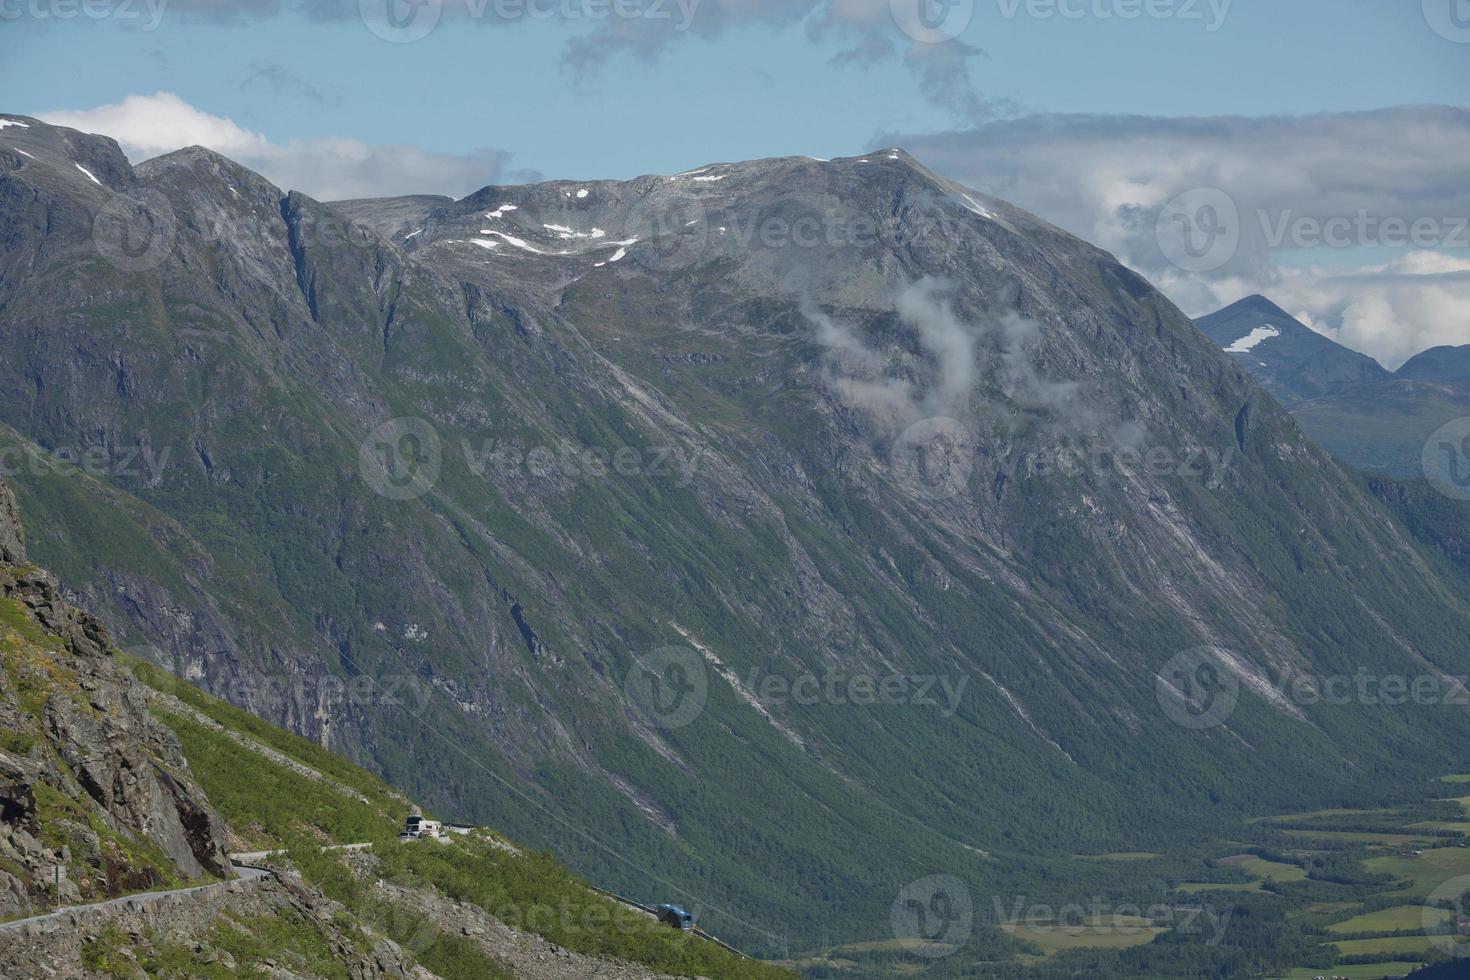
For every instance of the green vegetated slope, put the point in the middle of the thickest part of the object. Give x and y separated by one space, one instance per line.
501 608
1383 428
270 806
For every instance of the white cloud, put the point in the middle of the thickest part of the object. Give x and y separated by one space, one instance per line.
1390 312
326 168
1356 179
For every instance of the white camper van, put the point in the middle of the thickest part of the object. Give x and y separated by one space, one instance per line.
416 826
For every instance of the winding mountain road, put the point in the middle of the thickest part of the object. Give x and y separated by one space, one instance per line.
245 871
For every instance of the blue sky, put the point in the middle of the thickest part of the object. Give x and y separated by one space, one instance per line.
1295 110
750 91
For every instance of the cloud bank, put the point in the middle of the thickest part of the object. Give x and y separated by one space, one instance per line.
326 168
1358 221
866 31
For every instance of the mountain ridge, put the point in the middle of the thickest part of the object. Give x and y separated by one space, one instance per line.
524 576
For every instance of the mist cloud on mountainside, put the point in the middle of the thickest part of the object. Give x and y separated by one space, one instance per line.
955 356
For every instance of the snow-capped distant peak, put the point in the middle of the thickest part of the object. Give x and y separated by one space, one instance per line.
1250 340
14 122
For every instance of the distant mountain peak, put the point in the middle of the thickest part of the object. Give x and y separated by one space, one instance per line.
1444 363
1256 303
1284 355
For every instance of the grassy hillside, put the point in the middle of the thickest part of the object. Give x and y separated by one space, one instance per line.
269 805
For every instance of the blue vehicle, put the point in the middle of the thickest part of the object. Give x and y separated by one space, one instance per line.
674 915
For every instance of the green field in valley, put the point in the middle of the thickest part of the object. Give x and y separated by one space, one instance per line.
1400 919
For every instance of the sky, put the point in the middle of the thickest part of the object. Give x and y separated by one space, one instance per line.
1219 147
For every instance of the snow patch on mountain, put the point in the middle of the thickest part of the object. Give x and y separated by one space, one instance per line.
1250 340
513 240
971 204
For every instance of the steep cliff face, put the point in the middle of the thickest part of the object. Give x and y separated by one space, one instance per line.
12 534
800 421
89 782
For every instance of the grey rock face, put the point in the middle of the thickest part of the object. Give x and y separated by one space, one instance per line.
12 535
77 727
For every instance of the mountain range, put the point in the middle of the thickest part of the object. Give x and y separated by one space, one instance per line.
1370 418
783 533
148 829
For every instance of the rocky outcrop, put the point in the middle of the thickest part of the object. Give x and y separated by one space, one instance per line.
12 535
89 781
